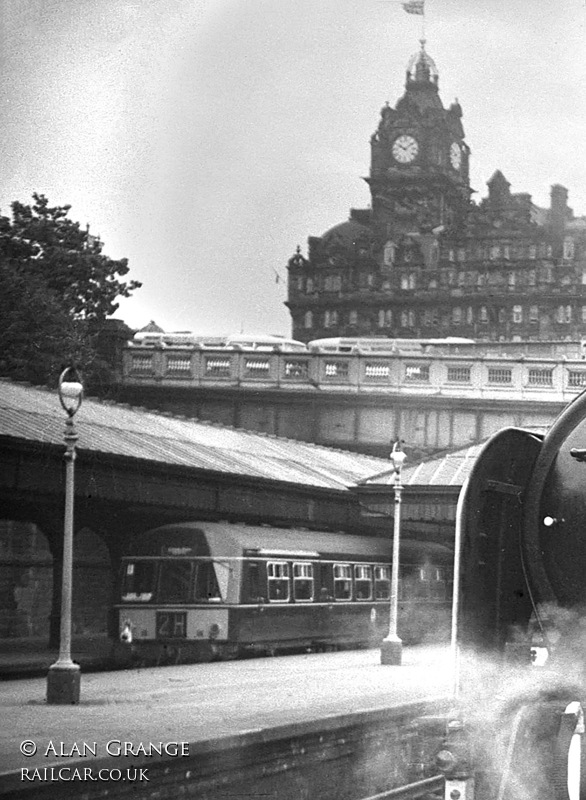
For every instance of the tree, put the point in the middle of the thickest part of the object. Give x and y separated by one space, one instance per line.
57 289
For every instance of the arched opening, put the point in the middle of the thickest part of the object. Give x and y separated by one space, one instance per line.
92 584
26 581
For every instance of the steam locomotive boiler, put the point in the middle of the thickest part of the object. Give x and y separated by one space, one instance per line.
523 552
522 595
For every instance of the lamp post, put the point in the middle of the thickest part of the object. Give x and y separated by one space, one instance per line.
63 679
392 646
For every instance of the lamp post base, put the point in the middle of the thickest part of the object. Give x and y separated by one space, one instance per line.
63 684
391 652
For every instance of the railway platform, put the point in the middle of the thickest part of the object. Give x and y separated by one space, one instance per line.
206 707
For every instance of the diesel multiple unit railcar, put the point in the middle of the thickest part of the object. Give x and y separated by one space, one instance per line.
201 590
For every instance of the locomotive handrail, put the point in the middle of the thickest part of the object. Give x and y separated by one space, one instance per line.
411 790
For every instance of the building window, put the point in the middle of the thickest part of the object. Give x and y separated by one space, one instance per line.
330 319
500 375
507 252
309 286
512 279
518 314
407 319
564 314
385 318
459 374
451 255
389 254
308 320
469 315
408 280
533 313
495 252
531 277
461 254
333 283
532 252
456 315
540 377
569 249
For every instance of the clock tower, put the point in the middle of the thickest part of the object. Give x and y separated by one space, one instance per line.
419 177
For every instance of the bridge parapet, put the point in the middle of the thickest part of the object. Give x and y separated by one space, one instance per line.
556 379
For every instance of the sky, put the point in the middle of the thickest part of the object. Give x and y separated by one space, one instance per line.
205 139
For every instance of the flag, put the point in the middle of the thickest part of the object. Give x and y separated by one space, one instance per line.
414 6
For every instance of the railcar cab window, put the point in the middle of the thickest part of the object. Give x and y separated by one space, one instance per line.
303 582
363 582
206 589
278 581
342 581
138 581
175 581
382 583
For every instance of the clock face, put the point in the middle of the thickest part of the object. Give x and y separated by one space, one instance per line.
455 155
405 149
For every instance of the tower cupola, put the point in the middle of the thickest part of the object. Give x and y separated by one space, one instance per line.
421 68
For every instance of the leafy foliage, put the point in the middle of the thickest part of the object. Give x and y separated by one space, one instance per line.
57 289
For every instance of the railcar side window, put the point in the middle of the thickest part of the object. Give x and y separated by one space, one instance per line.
303 581
342 581
433 582
363 582
175 581
382 583
138 583
206 584
278 581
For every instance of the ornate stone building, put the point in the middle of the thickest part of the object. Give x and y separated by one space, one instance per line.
425 260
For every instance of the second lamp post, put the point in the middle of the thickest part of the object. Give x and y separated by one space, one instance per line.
392 646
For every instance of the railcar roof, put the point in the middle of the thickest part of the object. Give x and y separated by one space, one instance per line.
234 539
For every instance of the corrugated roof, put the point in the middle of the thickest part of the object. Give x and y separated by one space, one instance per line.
34 414
449 469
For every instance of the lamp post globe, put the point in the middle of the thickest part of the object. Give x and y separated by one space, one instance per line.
392 646
63 679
